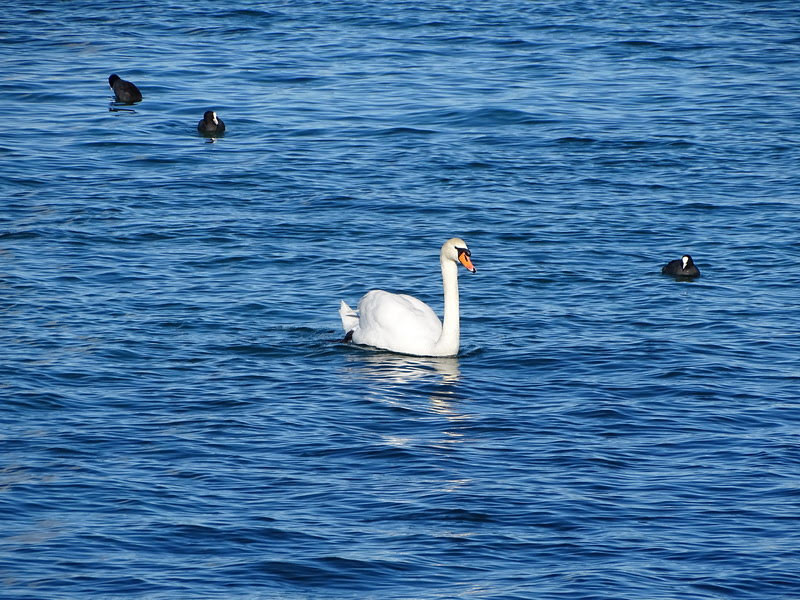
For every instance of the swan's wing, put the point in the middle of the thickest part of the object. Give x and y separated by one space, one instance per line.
349 317
396 322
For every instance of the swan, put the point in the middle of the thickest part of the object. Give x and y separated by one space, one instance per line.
404 324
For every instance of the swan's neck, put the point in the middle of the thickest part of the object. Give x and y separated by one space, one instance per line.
447 345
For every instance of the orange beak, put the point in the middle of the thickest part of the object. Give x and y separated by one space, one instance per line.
465 260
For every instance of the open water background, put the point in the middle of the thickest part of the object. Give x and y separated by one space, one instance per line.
178 419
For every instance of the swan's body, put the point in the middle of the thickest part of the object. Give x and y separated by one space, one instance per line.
404 324
681 267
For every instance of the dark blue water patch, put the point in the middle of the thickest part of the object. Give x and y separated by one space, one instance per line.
483 117
405 131
576 140
639 43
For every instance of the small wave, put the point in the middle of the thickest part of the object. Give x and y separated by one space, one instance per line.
484 117
638 43
404 131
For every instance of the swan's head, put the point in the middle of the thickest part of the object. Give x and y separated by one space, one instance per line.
455 249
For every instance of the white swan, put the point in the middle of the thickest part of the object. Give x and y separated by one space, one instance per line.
402 323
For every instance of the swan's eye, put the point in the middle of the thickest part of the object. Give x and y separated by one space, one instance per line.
463 251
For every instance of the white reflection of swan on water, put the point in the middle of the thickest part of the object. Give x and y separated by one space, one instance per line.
399 378
428 390
402 369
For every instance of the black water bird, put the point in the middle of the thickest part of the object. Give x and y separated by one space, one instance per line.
211 124
124 91
681 267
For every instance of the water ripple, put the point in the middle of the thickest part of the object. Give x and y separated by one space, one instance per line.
181 417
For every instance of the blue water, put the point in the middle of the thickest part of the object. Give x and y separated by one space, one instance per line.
179 418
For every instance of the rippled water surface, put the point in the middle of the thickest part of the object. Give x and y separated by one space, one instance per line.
180 418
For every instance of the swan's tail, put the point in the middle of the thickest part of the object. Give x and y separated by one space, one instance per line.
349 317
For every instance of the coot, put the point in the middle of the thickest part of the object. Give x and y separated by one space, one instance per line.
681 267
124 91
211 124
